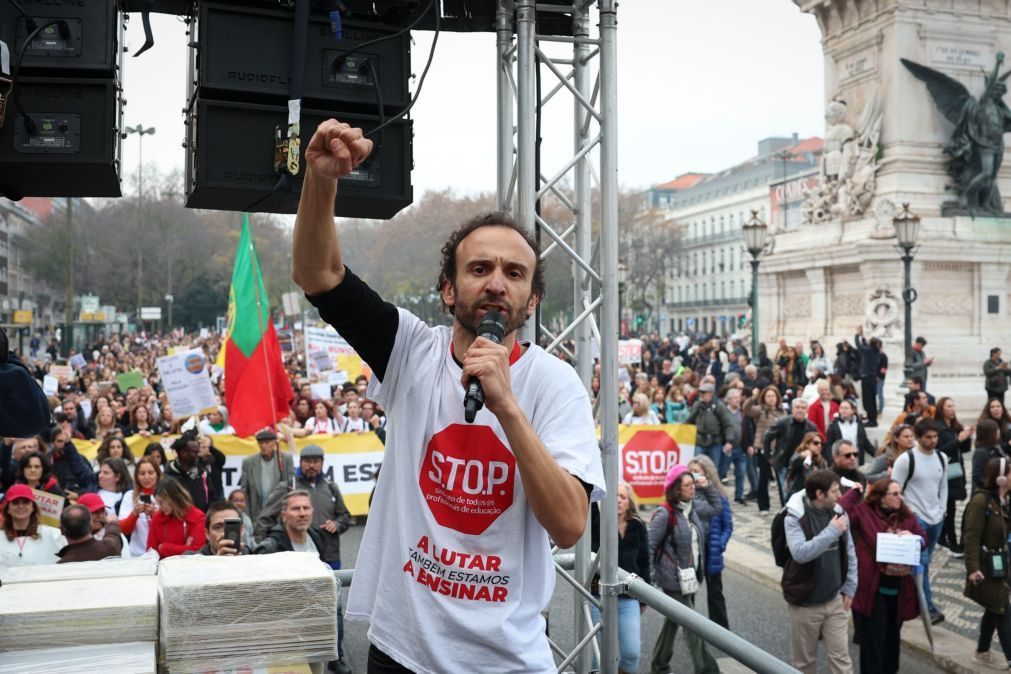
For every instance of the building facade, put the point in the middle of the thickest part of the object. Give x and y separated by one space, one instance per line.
708 287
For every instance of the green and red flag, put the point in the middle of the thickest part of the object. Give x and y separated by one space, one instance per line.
257 390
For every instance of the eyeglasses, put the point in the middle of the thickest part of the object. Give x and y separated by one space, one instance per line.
815 442
849 455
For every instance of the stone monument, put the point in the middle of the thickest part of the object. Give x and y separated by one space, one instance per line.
885 144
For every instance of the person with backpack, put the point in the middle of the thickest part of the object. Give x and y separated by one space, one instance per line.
923 474
985 530
713 425
678 549
819 573
886 594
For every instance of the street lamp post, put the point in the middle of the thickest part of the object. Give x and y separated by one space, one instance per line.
755 234
140 131
169 299
907 228
622 278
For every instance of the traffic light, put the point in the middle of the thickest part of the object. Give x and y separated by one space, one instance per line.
242 77
60 133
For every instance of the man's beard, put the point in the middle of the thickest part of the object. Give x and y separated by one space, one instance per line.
467 316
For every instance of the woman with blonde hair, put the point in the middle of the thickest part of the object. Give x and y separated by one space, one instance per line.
902 441
137 506
717 530
633 556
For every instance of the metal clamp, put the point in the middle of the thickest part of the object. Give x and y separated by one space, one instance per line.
613 589
293 143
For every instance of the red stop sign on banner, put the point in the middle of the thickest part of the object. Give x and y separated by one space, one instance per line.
645 460
467 477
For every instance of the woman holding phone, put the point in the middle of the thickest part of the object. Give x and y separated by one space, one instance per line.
138 505
177 525
986 562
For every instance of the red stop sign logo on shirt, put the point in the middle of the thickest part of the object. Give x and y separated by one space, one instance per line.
467 477
646 459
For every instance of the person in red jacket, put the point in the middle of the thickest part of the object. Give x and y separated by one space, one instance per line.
177 526
823 410
886 594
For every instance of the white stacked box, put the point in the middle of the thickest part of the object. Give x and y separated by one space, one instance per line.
78 612
221 613
124 658
114 567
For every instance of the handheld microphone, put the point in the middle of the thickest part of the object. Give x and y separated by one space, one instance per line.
492 327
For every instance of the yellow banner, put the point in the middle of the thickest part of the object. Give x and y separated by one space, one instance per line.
351 460
23 317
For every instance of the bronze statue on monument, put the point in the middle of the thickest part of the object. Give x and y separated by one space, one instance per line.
976 149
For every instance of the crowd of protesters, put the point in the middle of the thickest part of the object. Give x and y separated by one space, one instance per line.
793 425
165 495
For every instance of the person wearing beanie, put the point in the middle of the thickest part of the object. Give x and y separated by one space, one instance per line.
678 547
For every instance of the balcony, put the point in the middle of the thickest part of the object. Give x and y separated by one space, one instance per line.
720 237
709 304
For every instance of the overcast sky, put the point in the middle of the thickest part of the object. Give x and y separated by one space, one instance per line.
700 82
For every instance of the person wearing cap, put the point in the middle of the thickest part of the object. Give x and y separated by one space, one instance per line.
713 424
677 544
25 539
262 472
76 523
330 517
102 528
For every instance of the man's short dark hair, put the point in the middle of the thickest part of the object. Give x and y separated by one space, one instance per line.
994 351
75 521
493 219
916 379
924 426
217 507
819 480
921 341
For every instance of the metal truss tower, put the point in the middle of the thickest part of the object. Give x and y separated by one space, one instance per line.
588 76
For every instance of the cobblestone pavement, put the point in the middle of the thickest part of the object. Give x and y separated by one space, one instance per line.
947 574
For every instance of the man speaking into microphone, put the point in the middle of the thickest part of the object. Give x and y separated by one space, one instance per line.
455 563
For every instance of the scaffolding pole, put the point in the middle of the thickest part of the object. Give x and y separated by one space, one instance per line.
588 76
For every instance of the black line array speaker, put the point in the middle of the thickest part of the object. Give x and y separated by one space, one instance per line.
228 169
240 87
68 86
250 55
75 151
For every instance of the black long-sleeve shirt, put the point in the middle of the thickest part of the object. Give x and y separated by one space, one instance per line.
633 548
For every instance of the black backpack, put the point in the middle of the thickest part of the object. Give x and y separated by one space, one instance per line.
912 465
780 550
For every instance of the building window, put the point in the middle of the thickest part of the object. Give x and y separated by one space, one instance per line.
723 290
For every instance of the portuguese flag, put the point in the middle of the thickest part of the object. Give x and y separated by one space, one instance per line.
257 390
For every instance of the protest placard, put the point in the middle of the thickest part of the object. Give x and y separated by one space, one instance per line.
78 362
62 372
50 507
128 380
50 385
187 384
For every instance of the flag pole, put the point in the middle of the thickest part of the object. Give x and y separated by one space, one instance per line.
257 279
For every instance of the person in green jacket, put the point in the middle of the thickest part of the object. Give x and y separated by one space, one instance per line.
987 523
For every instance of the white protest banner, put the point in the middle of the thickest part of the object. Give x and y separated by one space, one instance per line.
77 362
629 351
325 341
184 376
85 404
50 385
896 549
50 507
62 372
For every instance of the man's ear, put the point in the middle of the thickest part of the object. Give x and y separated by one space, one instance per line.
532 304
448 293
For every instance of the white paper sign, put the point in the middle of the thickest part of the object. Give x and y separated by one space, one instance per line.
77 362
326 341
896 549
629 351
321 391
85 404
50 385
184 376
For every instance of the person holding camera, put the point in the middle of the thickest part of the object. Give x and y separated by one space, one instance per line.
224 531
137 506
713 424
986 529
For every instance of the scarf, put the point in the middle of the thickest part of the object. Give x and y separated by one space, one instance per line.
686 508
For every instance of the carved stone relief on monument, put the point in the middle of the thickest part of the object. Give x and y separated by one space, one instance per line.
847 180
946 305
848 305
883 315
798 306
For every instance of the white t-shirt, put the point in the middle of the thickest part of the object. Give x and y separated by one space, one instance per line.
24 550
454 569
138 539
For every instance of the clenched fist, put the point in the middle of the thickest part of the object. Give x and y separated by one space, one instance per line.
335 149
